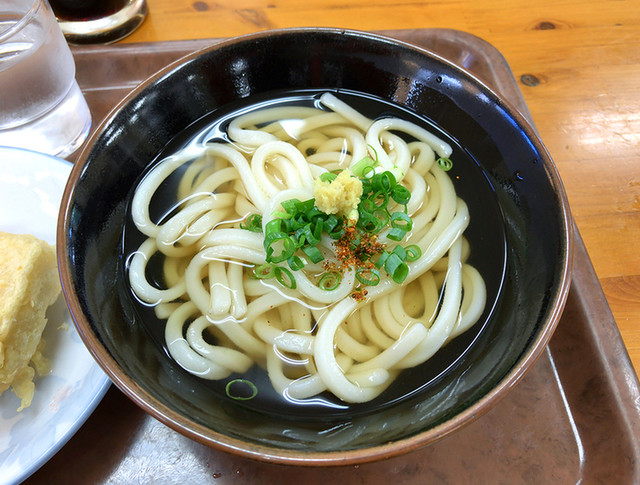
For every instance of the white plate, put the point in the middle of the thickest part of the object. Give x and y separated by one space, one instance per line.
31 186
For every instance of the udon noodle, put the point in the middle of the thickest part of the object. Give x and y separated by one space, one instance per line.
221 320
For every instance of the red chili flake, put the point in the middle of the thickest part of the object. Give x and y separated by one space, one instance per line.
355 248
359 294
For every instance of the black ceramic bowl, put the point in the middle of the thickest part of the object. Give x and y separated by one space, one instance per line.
528 266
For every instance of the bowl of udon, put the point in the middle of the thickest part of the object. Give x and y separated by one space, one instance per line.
315 246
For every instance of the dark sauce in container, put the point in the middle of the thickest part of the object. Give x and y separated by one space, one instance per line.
79 10
485 233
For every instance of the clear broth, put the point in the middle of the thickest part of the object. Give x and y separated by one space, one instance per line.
486 235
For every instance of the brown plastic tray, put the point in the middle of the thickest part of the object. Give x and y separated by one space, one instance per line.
574 418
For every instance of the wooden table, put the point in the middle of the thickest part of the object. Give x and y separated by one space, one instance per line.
578 66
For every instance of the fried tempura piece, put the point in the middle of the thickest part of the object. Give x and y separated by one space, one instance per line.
29 284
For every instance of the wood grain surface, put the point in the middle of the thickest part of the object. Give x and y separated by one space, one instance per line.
577 63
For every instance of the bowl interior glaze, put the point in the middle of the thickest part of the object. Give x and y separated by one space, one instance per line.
527 189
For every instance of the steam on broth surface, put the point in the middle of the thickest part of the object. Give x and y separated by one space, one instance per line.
306 239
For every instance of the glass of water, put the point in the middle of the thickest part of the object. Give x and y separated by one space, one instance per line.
41 105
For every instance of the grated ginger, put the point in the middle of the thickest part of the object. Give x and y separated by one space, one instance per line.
341 196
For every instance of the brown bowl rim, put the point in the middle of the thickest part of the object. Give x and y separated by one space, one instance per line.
283 456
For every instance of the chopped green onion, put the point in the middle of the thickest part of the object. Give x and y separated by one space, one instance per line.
369 223
393 261
382 215
396 268
445 163
253 223
313 253
241 383
401 273
383 182
400 194
328 177
400 223
400 252
307 206
289 205
364 168
368 172
285 277
274 225
264 271
274 233
288 247
366 188
382 259
295 263
372 280
330 281
309 235
401 220
330 223
396 234
337 234
413 252
381 200
280 215
367 205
